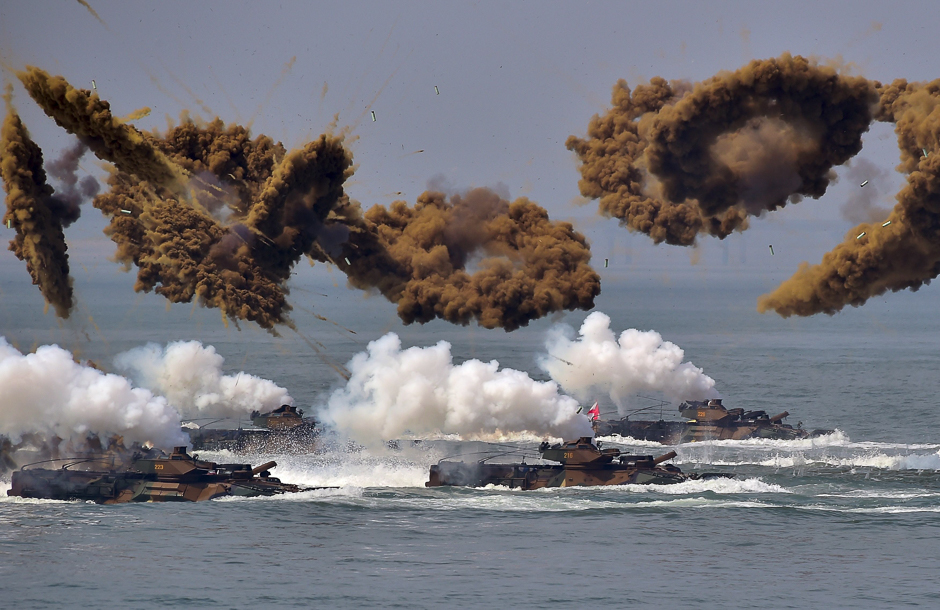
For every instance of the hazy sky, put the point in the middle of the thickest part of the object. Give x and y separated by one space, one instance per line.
515 80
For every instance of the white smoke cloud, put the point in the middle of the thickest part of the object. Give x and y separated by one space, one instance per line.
190 376
419 390
636 362
51 393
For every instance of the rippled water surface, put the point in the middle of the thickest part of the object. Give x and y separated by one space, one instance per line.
851 519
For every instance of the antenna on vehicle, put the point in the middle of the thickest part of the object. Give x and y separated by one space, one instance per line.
661 404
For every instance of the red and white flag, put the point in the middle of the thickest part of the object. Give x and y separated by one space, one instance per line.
594 412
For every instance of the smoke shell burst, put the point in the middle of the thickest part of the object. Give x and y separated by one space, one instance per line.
207 212
676 160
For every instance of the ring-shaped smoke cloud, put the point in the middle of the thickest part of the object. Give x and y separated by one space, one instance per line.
678 160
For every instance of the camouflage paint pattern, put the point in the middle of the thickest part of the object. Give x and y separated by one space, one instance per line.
177 478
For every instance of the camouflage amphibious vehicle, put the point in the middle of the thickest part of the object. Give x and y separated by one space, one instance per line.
284 429
178 477
582 463
707 420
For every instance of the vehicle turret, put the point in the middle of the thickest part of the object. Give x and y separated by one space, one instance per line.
582 451
282 418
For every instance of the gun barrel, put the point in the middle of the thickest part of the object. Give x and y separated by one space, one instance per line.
263 467
664 457
776 419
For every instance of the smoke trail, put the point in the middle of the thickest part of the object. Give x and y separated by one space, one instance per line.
598 361
190 376
675 161
526 266
137 114
420 390
94 14
35 214
49 392
82 113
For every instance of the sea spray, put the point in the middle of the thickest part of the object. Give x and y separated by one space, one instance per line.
190 375
48 392
597 361
420 390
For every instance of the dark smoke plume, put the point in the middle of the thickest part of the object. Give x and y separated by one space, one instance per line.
72 191
675 160
208 212
35 214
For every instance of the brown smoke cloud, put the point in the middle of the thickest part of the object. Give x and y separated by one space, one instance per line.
208 212
675 160
34 212
475 257
875 258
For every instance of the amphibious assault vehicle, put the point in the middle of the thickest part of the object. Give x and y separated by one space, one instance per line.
284 429
707 420
582 463
146 477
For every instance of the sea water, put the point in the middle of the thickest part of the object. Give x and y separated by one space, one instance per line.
847 520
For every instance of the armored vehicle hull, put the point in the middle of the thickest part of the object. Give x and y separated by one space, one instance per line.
177 478
583 464
707 421
283 430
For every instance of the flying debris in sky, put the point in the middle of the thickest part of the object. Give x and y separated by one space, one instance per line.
864 183
676 160
206 212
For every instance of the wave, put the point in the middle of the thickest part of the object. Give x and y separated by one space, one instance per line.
875 494
881 461
837 438
341 468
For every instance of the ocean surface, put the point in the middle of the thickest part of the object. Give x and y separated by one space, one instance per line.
848 520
